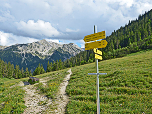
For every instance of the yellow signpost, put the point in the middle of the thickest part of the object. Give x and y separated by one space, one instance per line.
97 44
95 36
98 55
97 51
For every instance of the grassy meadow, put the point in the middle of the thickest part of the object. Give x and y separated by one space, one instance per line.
126 89
12 99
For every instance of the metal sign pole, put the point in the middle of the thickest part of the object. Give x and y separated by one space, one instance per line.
97 83
98 55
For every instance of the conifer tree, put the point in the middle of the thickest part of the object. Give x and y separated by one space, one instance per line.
48 67
16 72
0 69
26 73
19 74
5 70
42 69
54 66
22 72
51 66
60 64
30 73
10 70
57 65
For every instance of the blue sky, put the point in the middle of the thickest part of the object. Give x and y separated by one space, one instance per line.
64 21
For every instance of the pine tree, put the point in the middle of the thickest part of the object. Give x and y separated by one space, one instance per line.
30 73
10 70
0 69
42 69
149 27
12 67
19 74
37 71
57 65
129 42
5 70
54 66
26 73
48 67
51 66
60 64
22 72
16 72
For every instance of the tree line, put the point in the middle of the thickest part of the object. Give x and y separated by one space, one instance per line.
7 70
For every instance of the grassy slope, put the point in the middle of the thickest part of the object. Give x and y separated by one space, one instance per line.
127 87
12 99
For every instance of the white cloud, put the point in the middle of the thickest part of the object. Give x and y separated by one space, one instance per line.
5 16
7 5
3 38
7 39
82 43
37 29
28 40
53 40
70 30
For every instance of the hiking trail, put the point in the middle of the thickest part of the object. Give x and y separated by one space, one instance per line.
33 99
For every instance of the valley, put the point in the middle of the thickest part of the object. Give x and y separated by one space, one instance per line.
126 88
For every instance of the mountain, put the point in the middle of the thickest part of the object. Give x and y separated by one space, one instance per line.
31 54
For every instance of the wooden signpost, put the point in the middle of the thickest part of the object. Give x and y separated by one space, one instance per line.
92 43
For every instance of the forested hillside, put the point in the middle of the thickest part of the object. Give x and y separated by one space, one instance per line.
135 36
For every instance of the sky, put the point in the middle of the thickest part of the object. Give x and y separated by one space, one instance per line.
64 21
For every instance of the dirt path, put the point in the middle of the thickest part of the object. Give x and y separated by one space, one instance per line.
62 98
33 99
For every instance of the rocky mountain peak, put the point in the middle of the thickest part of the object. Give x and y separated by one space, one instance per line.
30 54
42 41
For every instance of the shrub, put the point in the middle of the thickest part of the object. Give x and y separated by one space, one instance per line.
32 81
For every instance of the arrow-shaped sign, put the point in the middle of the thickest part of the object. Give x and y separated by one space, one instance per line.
98 57
98 54
97 51
95 36
98 44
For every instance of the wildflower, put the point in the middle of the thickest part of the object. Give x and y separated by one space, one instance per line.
120 105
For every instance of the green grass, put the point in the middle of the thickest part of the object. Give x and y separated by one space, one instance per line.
51 89
126 89
12 99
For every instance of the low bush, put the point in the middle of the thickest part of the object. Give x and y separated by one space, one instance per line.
32 81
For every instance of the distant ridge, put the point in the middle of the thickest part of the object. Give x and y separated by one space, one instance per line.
31 54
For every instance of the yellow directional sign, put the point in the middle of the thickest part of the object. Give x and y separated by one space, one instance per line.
97 51
95 36
98 44
98 57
